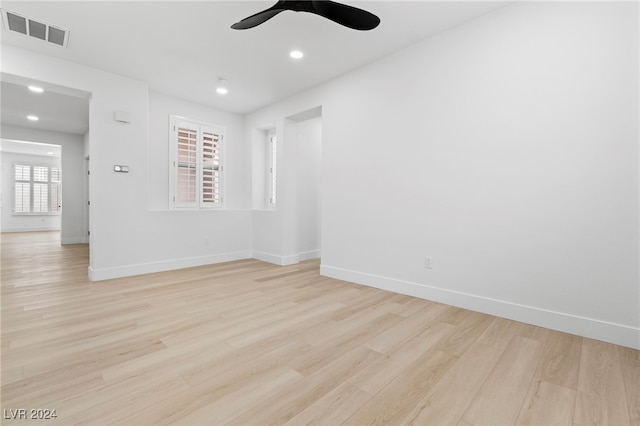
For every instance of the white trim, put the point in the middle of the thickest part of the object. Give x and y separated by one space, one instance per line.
162 266
77 240
618 334
307 255
285 260
275 258
38 229
267 257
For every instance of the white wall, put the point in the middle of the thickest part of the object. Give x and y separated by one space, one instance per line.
71 227
127 237
506 149
23 223
308 187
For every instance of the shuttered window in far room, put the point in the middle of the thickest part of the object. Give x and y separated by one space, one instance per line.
37 189
196 164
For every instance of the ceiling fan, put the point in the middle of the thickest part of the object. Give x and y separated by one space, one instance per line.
343 14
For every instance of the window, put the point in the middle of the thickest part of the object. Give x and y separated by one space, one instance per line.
271 169
37 189
196 164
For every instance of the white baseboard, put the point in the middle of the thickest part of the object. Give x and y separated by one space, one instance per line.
618 334
40 229
308 255
168 265
80 240
286 260
268 257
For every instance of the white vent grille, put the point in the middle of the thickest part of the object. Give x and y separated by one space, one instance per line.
17 23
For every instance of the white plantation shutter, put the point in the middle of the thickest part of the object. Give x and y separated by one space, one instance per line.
22 189
40 198
23 198
186 166
23 172
55 191
40 189
55 174
55 198
211 140
40 174
197 165
37 189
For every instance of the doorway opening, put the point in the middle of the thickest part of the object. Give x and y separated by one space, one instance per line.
59 127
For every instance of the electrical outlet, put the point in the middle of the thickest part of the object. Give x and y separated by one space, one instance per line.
428 262
206 241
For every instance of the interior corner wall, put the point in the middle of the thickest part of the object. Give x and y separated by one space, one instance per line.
71 221
507 150
290 232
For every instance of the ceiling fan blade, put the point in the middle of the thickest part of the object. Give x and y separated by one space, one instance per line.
346 15
260 17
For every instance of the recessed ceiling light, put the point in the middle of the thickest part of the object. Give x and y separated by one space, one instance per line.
32 117
50 153
296 54
36 89
222 86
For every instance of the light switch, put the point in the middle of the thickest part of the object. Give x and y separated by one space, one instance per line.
121 169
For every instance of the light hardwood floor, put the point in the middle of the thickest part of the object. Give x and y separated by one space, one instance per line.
249 343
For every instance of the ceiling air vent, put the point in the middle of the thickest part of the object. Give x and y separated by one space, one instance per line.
17 23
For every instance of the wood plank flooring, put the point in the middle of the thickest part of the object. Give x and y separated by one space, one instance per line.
249 343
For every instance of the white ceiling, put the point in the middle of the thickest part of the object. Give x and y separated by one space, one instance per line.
182 47
58 112
31 148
